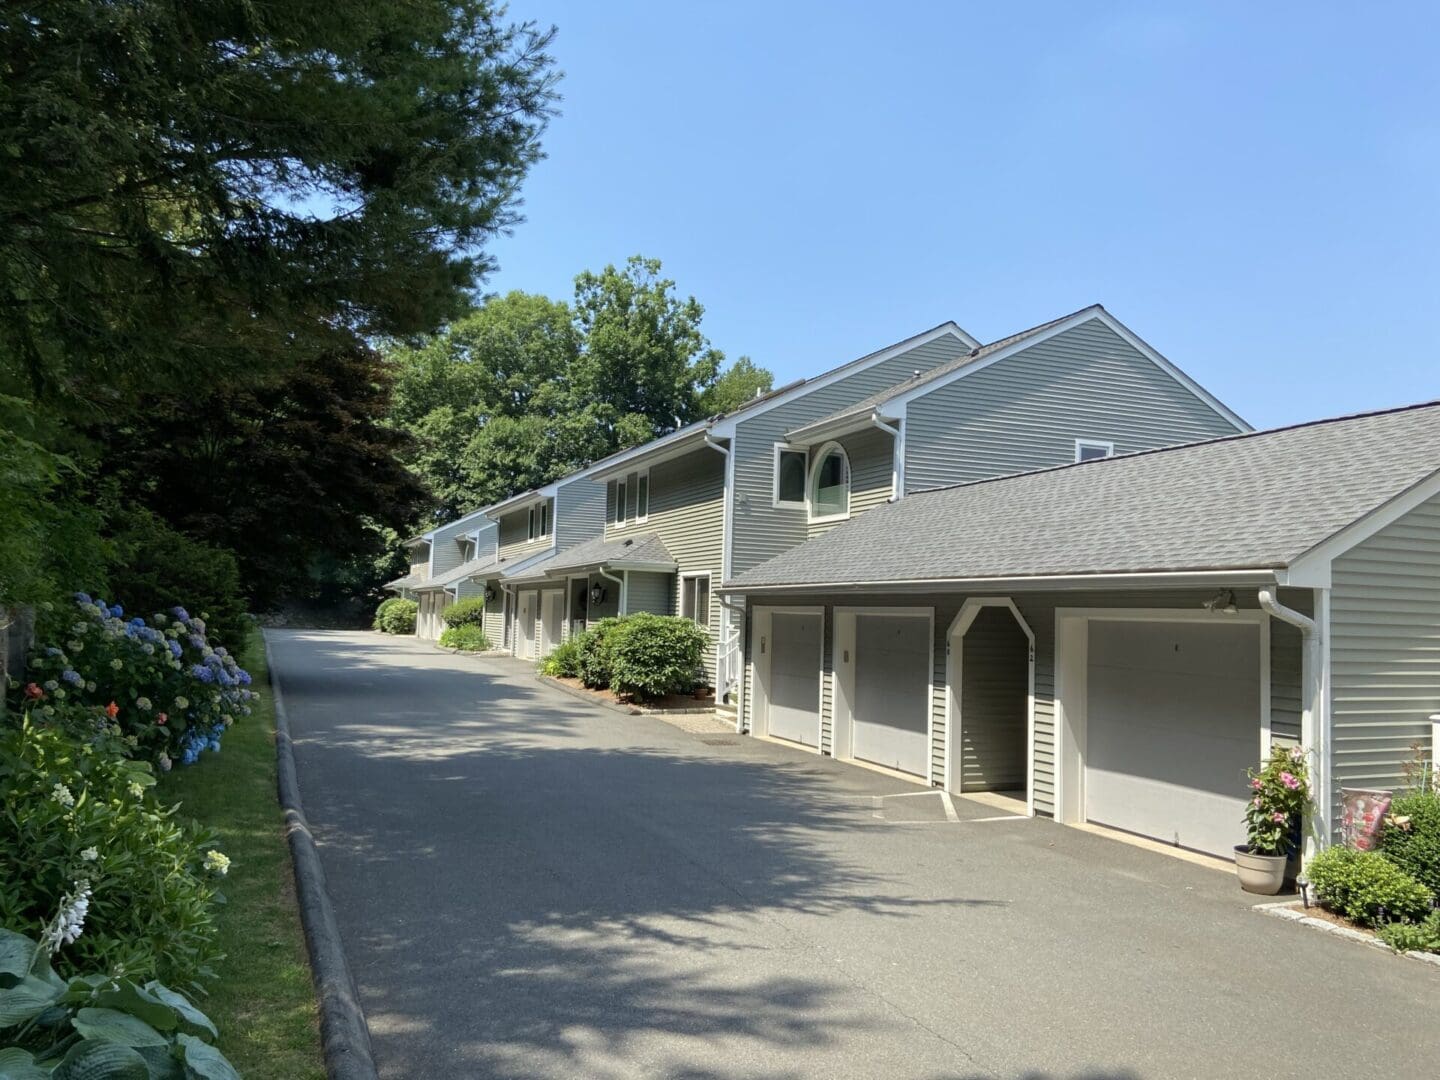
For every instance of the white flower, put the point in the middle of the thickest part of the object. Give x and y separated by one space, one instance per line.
143 703
90 854
90 686
75 646
59 692
69 921
217 863
61 794
136 788
164 762
182 703
148 649
51 685
117 663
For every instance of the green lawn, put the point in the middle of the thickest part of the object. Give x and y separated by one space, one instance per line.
264 1001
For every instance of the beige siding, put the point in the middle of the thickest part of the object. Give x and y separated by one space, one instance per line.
494 614
995 687
687 512
515 544
654 593
1385 649
762 531
1026 411
1038 610
872 472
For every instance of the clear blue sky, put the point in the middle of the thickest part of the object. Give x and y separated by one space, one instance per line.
1254 189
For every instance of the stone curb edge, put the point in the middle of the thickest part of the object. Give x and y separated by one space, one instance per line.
344 1035
1288 910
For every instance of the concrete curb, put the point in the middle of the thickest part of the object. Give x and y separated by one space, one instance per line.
1290 911
581 695
344 1036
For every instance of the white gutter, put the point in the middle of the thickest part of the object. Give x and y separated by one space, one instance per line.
1314 736
619 586
1187 578
897 470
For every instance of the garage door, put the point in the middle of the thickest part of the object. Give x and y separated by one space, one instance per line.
892 692
794 683
1172 725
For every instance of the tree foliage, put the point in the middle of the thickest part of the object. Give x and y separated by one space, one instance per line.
741 382
525 389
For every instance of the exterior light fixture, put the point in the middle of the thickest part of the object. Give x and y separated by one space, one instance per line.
597 594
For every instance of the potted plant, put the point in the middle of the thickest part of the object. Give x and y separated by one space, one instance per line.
1279 796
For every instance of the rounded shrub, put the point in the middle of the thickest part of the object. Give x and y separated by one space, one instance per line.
652 656
1411 837
467 612
594 663
1413 937
564 661
396 616
1367 887
466 638
78 814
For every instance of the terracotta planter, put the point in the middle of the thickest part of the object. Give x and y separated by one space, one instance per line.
1262 874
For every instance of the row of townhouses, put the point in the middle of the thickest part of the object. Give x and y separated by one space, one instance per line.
1052 566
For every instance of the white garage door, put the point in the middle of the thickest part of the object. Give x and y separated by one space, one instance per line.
793 710
1172 725
892 692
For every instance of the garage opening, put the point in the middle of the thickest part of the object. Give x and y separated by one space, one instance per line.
885 666
790 644
1174 712
991 698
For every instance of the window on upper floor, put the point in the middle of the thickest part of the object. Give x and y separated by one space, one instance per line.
695 598
830 484
1093 449
540 520
789 476
632 498
617 514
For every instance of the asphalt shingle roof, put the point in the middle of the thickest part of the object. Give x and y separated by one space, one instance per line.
1252 501
878 399
409 581
461 572
642 549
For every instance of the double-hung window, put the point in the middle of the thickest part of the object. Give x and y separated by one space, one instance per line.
695 598
540 520
632 499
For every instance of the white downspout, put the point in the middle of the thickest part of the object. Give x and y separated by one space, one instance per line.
619 589
1312 734
726 539
897 470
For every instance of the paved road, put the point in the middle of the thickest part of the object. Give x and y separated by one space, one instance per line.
531 887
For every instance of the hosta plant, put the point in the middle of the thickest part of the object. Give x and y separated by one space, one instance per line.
95 1026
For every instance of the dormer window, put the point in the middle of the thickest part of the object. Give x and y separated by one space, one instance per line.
830 484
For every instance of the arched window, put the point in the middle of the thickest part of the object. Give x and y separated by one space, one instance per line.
830 484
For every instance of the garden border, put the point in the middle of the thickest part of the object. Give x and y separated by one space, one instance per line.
1292 911
344 1034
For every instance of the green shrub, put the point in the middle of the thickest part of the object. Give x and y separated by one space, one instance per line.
466 638
378 622
96 1025
564 661
156 568
1411 837
1359 884
396 616
77 811
655 655
467 612
594 666
1413 937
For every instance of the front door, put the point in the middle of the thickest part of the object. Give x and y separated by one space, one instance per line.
525 625
552 613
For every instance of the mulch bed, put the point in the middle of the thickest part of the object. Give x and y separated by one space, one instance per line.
700 699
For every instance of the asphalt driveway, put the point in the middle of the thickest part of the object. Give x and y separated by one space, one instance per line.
529 886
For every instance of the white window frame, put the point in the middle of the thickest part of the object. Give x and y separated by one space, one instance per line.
1093 444
691 576
622 495
775 500
547 524
642 476
812 482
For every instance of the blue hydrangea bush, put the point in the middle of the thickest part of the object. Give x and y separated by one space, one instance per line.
156 682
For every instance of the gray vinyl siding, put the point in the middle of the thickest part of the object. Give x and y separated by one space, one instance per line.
1039 612
761 530
687 512
1286 648
579 512
995 683
654 593
515 544
1385 650
1026 411
872 472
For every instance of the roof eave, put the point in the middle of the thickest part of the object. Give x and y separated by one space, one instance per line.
1145 579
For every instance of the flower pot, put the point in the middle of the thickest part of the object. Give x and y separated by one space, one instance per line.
1262 874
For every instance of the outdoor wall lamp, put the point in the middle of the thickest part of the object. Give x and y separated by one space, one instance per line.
597 594
489 592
